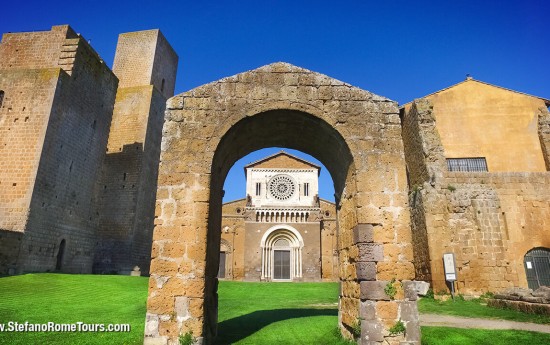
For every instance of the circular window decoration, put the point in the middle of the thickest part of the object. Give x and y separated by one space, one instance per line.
281 187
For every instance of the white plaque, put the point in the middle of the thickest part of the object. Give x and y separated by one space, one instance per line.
449 266
450 276
529 264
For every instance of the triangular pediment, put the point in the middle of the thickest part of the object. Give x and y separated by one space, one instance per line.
287 75
282 160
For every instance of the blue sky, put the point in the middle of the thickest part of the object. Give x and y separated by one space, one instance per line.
399 49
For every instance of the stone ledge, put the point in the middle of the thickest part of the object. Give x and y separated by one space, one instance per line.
526 307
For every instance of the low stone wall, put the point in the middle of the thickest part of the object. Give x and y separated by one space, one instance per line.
526 307
525 300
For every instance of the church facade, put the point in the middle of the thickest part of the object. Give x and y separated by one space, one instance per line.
282 230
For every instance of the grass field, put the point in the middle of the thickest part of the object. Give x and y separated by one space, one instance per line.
278 313
249 313
477 308
460 336
64 298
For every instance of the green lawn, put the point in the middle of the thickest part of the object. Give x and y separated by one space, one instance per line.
460 336
477 308
249 313
278 313
64 298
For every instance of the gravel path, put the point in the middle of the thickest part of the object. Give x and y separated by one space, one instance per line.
467 322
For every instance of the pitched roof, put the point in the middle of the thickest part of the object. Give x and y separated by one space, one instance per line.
281 153
469 79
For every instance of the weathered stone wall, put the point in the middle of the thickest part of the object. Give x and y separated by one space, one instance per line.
544 134
59 103
425 166
165 66
126 190
504 215
146 58
488 220
329 241
143 233
36 50
357 136
233 219
74 146
24 117
10 243
128 184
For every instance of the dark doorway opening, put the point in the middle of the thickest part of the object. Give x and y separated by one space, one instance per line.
221 269
281 264
60 255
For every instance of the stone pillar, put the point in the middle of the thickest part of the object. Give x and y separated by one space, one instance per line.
385 304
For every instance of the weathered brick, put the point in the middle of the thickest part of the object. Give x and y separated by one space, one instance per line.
370 252
365 270
363 233
374 291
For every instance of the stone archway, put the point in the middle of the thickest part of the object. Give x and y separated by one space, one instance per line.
357 136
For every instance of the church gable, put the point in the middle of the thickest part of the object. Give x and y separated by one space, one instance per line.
282 160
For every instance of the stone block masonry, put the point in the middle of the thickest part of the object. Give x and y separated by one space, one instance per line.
356 134
58 99
146 65
63 198
488 220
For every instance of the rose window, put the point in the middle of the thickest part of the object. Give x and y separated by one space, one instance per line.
281 187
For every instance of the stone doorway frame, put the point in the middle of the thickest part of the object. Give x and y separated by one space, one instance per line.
357 136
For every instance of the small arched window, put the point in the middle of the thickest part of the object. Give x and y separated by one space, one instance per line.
1 97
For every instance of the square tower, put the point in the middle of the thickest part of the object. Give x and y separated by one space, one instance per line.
146 65
146 58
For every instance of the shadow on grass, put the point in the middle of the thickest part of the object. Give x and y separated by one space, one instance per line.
238 328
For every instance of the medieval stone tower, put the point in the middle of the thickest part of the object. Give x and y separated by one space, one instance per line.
145 65
68 185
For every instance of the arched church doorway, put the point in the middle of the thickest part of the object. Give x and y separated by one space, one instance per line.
356 135
537 267
282 254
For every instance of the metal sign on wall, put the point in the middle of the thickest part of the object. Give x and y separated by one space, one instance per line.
449 266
